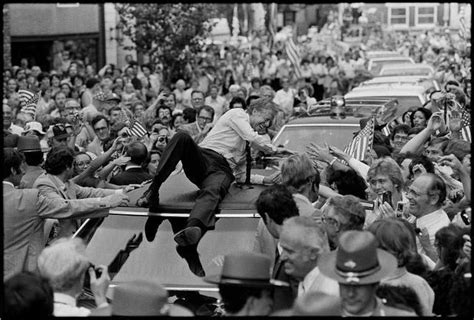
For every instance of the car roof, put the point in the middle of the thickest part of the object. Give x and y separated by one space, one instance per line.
376 59
405 68
398 79
385 90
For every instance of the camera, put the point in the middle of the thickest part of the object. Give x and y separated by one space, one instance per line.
387 197
87 278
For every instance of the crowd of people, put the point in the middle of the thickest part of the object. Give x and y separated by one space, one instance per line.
387 236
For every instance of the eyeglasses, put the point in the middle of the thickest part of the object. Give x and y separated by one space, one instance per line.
267 123
205 118
415 194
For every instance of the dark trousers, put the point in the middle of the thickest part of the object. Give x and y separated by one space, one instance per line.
207 169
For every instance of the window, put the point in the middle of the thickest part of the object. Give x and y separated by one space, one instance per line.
426 15
398 16
289 17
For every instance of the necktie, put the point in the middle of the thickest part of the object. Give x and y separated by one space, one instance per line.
248 158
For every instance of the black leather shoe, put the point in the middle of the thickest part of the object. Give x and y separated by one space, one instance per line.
188 236
190 254
151 227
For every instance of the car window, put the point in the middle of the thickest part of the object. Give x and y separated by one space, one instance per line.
377 65
406 72
297 138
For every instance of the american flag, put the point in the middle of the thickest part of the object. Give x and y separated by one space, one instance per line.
466 126
294 55
28 101
362 142
137 129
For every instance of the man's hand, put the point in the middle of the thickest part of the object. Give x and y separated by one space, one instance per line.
283 151
319 153
455 122
116 145
207 128
118 199
338 153
273 178
122 160
436 122
453 162
99 285
131 187
467 246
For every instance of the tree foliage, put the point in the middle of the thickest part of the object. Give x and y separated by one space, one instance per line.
169 33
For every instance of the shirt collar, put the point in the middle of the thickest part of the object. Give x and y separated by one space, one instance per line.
61 185
64 299
426 219
310 278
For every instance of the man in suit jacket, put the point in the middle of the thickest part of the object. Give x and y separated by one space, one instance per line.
199 129
24 211
276 204
134 172
54 183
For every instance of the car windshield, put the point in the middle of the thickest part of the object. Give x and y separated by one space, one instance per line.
406 72
298 137
412 101
377 65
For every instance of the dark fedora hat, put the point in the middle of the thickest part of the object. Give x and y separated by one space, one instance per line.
357 260
28 144
246 269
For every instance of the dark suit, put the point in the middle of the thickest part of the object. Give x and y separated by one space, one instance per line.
131 176
283 297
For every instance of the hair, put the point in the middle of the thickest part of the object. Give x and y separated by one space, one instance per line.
349 207
403 128
310 234
163 107
33 158
137 152
97 118
442 141
28 296
263 105
197 91
58 160
458 147
238 100
207 109
401 297
437 186
12 159
278 203
389 167
347 182
42 75
251 98
394 237
189 114
116 108
450 239
235 297
427 114
423 160
138 103
297 170
91 82
63 263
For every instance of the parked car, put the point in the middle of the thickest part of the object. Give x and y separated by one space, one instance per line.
406 69
322 124
381 54
429 83
374 65
407 95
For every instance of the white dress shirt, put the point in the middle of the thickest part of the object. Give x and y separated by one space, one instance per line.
65 306
229 135
315 281
433 222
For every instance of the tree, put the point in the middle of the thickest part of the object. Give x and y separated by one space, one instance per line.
169 33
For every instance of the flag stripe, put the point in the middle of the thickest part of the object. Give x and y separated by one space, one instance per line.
362 142
138 130
293 55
